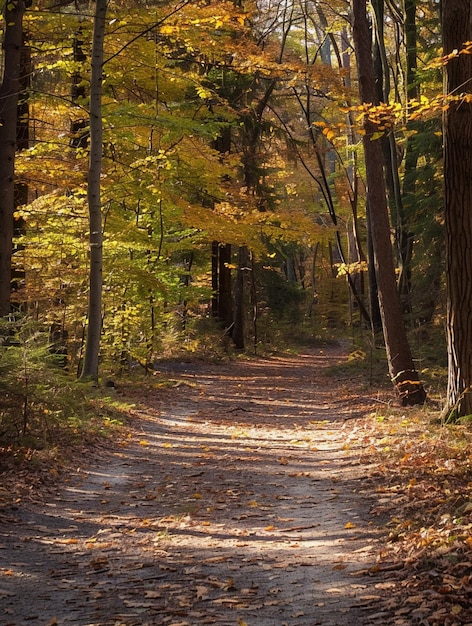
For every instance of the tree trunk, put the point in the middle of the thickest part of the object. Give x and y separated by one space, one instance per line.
239 329
9 90
457 29
21 190
79 132
225 295
214 278
375 316
400 361
94 328
222 301
411 152
403 239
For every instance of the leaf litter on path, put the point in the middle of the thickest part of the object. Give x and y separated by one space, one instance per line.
235 499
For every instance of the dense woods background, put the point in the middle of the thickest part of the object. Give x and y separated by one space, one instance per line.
210 177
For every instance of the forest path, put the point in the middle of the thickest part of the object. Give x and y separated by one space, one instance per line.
237 498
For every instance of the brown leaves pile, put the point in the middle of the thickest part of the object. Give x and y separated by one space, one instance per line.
422 477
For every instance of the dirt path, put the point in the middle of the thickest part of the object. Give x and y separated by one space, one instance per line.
236 499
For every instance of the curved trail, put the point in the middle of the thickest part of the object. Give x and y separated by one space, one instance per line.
236 499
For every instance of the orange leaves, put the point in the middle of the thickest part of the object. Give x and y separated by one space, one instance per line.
425 488
394 116
331 131
384 116
440 61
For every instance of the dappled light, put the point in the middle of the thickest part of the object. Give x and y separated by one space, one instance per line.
233 497
258 491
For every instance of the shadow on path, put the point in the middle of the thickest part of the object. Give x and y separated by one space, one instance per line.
237 498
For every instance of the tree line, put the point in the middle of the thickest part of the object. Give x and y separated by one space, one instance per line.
167 164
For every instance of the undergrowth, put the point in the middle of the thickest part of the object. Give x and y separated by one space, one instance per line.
366 362
43 409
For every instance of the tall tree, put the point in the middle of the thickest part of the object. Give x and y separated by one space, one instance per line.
9 90
390 152
457 31
21 191
94 327
400 361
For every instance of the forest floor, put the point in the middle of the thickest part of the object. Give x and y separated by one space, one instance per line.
248 493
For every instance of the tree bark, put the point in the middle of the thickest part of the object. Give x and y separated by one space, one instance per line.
79 133
403 238
239 329
457 29
215 254
9 90
225 292
94 328
21 190
400 361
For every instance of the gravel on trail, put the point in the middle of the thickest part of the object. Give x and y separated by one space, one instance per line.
238 496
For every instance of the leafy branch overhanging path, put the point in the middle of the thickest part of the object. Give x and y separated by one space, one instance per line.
237 498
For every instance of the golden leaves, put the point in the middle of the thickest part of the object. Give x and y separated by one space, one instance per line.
351 268
440 61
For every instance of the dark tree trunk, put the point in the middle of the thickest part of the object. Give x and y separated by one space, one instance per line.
239 330
22 143
222 300
411 152
403 239
221 283
400 361
457 29
214 278
225 295
79 132
375 316
9 90
94 327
